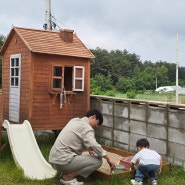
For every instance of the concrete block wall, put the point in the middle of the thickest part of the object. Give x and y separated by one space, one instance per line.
127 120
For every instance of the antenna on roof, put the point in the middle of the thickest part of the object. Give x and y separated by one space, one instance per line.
50 21
48 25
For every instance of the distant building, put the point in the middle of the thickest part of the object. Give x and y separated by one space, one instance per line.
170 89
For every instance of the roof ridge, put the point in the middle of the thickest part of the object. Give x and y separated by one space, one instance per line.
47 41
35 29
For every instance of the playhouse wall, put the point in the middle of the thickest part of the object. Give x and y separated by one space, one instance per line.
37 104
45 111
1 111
16 46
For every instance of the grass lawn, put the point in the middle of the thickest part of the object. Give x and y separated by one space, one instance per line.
11 175
152 96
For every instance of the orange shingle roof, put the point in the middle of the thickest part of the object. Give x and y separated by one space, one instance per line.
50 42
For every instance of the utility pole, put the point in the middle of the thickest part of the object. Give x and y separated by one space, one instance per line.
177 72
47 25
156 82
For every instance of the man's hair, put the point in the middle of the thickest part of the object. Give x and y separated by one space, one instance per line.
142 143
97 113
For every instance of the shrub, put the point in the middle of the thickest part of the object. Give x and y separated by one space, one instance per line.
131 94
110 93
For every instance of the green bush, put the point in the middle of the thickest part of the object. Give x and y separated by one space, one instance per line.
131 94
100 84
110 93
96 90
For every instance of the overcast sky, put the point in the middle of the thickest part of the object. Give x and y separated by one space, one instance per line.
147 28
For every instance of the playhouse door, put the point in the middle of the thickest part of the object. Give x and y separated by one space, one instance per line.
14 101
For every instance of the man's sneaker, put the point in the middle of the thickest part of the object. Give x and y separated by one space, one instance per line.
79 183
154 182
71 182
133 182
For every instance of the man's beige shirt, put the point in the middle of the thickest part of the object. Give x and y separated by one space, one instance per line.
76 136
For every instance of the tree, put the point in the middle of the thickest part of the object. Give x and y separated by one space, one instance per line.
162 76
182 76
100 64
124 85
128 72
100 84
2 39
116 62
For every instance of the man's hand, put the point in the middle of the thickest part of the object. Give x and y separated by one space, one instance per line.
91 152
110 162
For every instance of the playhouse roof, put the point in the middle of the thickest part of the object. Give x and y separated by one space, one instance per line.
49 42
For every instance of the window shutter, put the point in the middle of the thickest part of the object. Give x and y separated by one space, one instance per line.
78 78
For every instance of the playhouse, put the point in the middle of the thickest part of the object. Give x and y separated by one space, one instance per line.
45 77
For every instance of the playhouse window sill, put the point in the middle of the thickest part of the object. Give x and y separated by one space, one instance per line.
58 92
69 95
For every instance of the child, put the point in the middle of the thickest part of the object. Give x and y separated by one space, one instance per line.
149 163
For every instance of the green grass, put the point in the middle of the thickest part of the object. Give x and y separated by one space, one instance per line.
11 175
152 96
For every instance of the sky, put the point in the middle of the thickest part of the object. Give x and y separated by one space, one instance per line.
152 29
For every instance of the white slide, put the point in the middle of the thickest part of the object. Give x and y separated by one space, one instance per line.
26 152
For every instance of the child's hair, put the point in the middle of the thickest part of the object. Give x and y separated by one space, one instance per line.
142 143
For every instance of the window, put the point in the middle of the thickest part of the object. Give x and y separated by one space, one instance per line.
57 77
68 78
78 80
14 70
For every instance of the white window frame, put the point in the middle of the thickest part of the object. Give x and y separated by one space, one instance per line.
14 67
75 78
